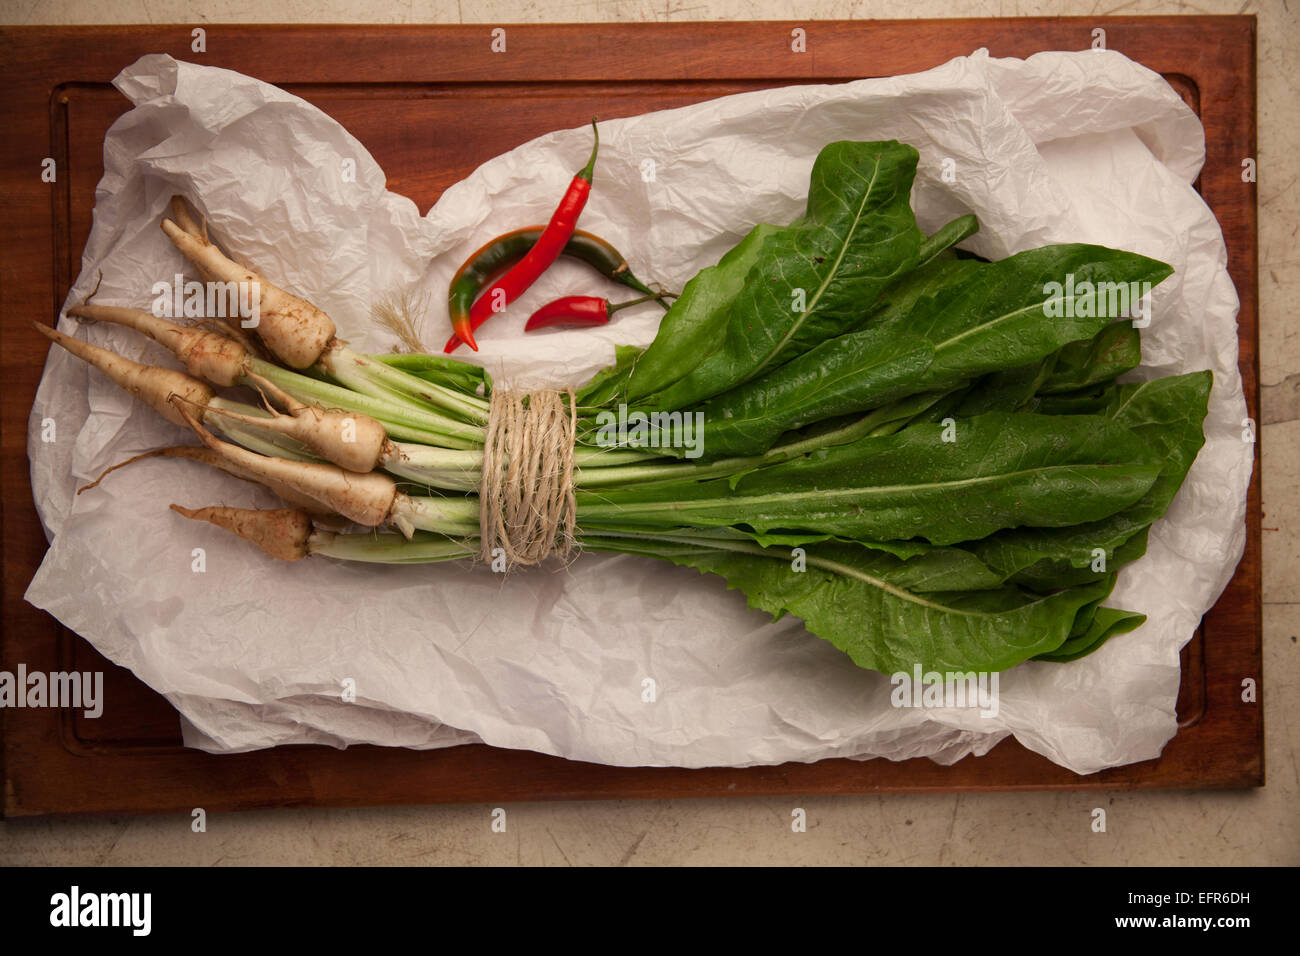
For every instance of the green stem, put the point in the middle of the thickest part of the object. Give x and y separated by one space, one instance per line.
461 470
439 369
615 306
587 171
954 232
588 457
387 548
363 374
451 516
864 427
264 441
610 541
435 467
401 420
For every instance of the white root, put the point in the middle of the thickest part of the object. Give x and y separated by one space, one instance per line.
208 457
292 328
351 441
367 499
153 386
207 355
282 533
181 215
275 392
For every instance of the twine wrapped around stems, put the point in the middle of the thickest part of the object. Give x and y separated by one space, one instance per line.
526 502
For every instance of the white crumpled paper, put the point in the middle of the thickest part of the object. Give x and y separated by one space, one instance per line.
1062 147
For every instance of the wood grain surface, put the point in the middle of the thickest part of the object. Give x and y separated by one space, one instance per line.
431 104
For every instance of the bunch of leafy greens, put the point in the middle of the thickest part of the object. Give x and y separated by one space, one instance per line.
924 455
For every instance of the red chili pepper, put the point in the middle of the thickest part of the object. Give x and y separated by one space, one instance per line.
578 310
539 258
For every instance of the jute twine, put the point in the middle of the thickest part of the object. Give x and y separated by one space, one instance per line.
526 502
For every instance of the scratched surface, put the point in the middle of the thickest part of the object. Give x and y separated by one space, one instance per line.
1257 827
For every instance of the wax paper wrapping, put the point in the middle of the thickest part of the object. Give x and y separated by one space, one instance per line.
1062 147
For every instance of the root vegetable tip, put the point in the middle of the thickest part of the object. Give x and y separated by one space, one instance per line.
282 533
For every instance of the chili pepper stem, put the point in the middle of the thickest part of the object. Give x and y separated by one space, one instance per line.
580 310
615 306
588 170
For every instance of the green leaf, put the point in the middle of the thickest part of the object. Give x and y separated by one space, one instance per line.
922 567
883 368
1105 624
1007 391
818 277
1114 350
1166 415
1083 401
693 327
611 380
1048 574
954 232
870 604
836 360
1001 471
972 318
440 369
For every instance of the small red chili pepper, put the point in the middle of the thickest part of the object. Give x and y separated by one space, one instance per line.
539 258
578 310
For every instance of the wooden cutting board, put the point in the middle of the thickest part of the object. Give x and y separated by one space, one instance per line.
432 103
